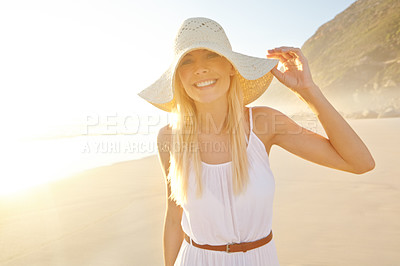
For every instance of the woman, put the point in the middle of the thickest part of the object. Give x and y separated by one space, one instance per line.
214 155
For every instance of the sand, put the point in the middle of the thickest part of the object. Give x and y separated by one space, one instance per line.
113 215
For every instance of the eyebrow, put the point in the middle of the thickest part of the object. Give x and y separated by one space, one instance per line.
201 50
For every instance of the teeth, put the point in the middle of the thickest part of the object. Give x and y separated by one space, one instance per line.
205 83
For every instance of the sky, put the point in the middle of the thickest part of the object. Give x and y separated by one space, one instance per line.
63 61
79 62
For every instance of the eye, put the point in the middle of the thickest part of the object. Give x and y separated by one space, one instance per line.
186 61
212 55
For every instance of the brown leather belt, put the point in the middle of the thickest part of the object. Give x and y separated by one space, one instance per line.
234 247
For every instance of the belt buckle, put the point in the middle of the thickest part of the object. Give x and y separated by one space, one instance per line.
227 248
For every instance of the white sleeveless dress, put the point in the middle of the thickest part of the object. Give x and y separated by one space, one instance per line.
219 217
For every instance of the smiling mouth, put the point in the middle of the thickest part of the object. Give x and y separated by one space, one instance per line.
205 83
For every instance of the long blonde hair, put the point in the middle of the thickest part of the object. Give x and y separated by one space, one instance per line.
185 144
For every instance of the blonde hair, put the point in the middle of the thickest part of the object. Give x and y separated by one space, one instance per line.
185 144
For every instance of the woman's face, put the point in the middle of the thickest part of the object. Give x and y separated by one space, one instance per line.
205 75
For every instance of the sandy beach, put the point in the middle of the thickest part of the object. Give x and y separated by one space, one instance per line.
113 215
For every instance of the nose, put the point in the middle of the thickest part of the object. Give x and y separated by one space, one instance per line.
201 69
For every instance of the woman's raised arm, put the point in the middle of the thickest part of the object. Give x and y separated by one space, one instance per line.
343 150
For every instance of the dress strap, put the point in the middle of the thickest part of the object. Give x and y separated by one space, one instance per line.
251 123
251 118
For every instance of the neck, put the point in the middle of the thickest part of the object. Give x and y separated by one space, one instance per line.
211 116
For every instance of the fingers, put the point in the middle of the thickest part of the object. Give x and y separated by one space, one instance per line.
278 74
286 52
280 57
285 60
285 49
281 53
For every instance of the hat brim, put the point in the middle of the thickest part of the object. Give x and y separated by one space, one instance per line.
254 75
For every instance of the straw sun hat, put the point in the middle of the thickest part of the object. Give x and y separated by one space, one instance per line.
203 33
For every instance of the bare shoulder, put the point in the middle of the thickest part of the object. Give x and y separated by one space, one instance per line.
264 111
265 119
266 122
164 140
164 134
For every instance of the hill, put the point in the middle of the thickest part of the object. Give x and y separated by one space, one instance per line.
355 60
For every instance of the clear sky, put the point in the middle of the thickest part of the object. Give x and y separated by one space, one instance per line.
63 60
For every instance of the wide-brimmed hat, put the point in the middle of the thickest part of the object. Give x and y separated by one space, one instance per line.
202 33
